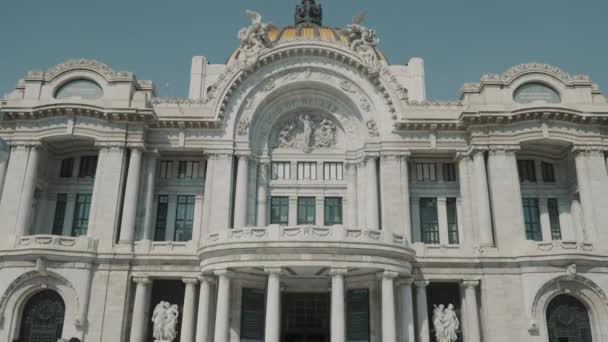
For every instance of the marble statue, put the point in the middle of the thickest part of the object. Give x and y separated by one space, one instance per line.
446 323
307 132
164 318
363 41
252 39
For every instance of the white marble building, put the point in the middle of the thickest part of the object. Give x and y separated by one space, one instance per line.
305 191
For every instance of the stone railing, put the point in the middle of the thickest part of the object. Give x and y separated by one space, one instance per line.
305 234
58 242
164 247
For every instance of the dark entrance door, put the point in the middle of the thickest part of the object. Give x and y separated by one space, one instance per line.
306 317
568 320
42 318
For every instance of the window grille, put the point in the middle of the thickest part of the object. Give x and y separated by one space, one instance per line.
307 171
532 219
280 170
333 171
429 224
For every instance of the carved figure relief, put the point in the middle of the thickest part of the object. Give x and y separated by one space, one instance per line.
307 132
363 41
446 323
252 39
372 128
243 127
165 318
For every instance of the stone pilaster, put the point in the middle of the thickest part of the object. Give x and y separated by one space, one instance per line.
351 196
129 211
482 200
241 195
395 193
373 218
262 195
221 192
150 174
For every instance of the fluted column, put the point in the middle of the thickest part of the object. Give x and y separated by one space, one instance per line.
240 197
471 311
373 219
262 193
129 210
464 180
24 218
148 228
141 308
187 332
222 314
204 306
482 197
407 331
338 314
273 306
351 197
389 329
422 314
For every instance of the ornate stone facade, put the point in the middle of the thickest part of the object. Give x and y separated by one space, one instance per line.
305 172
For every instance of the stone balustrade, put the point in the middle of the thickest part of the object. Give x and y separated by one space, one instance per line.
62 243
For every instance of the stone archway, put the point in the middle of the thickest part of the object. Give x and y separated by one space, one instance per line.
42 317
568 320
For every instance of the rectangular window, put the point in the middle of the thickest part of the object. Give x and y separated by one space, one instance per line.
253 315
548 172
333 171
280 170
307 170
306 210
429 225
452 221
67 168
333 211
279 210
81 215
88 165
59 218
188 169
184 218
449 172
357 315
165 169
426 172
161 218
532 219
526 170
553 208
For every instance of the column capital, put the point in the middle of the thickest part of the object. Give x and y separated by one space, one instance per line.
504 149
206 279
395 155
225 273
467 283
136 146
589 149
243 155
406 281
273 270
463 155
421 283
24 144
190 281
388 275
442 200
338 272
220 155
477 149
142 280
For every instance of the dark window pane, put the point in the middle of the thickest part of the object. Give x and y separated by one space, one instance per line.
279 210
161 218
165 169
59 217
357 315
67 168
306 210
333 210
452 220
553 208
532 219
81 215
88 165
426 172
526 170
253 314
429 225
184 218
548 172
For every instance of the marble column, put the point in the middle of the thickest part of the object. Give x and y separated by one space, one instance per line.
472 315
141 310
351 196
422 315
222 314
129 209
70 207
465 220
204 307
407 331
240 197
373 219
187 332
273 305
148 228
585 197
4 155
207 198
405 194
26 201
389 329
482 200
338 312
262 193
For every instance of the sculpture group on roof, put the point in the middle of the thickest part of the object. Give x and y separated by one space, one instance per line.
363 41
252 39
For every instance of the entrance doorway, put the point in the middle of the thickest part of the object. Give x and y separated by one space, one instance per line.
42 318
306 317
568 320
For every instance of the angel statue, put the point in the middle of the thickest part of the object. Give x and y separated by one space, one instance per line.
164 318
363 40
252 39
446 323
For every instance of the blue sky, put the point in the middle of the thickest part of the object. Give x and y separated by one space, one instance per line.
459 40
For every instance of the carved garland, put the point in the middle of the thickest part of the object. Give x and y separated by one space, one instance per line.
90 64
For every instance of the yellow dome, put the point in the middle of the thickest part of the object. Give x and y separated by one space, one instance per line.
307 32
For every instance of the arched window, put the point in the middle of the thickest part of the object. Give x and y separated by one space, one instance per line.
535 91
80 88
568 320
42 318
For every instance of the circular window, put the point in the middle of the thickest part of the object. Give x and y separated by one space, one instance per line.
84 89
533 92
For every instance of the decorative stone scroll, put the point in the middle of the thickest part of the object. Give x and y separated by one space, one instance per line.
164 319
307 132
